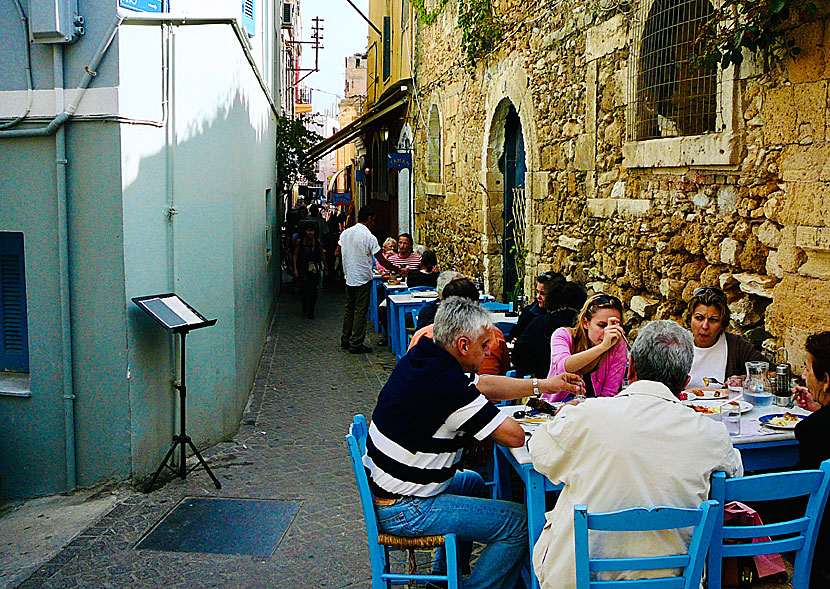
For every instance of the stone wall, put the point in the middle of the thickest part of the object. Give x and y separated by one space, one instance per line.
746 208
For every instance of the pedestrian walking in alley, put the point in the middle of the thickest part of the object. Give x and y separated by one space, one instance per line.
359 249
309 260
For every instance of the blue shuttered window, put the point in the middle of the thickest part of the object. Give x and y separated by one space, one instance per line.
387 47
14 333
248 16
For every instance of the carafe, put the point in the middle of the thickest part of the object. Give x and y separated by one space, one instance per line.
757 388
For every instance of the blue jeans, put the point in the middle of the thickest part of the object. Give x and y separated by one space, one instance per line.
502 525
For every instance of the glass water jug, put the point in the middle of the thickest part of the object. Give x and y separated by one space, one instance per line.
757 387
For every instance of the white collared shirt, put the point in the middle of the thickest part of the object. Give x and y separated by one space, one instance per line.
358 248
640 448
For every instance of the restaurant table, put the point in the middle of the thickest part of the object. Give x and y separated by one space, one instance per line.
761 448
397 308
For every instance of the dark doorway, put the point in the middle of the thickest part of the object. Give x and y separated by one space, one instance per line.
514 183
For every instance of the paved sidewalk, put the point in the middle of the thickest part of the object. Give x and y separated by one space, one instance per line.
290 447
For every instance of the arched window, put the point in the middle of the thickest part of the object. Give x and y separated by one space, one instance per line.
675 96
434 146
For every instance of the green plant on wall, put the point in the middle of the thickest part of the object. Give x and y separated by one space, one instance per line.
427 16
755 25
520 258
481 29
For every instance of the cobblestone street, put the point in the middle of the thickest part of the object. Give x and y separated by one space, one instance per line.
289 447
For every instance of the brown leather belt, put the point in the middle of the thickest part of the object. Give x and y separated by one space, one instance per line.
384 502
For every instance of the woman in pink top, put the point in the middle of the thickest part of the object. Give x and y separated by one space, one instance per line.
595 348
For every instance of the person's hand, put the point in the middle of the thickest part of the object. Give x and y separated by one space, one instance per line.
804 399
566 381
571 402
613 334
296 274
403 271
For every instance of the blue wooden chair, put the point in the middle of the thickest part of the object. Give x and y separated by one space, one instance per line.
381 544
506 327
799 535
496 307
642 519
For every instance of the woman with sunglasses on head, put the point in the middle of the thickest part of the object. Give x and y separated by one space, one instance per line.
718 354
595 347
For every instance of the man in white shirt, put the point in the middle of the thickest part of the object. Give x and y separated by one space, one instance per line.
359 249
640 448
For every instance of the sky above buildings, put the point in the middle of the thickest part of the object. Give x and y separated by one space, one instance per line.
344 34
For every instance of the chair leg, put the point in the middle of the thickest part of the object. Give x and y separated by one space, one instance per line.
453 567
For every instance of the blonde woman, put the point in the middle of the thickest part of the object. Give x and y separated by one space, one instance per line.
390 248
594 348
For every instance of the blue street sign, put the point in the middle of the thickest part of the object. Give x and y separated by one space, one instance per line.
143 5
399 161
341 198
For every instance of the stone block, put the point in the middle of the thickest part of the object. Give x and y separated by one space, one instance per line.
729 250
780 114
585 152
606 38
493 181
727 281
671 289
537 185
618 191
756 284
808 203
813 63
537 238
773 267
602 207
643 306
813 238
745 311
789 256
728 198
570 243
632 207
805 163
798 310
817 265
810 100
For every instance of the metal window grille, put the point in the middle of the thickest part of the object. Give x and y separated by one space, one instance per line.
673 96
434 146
519 224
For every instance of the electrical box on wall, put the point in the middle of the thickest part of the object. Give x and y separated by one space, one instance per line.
54 21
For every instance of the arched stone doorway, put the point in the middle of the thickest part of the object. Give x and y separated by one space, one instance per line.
505 206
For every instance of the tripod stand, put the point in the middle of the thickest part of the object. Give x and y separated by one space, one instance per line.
182 440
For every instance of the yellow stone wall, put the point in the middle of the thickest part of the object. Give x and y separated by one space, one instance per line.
746 209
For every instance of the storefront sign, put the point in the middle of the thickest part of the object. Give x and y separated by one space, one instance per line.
398 161
341 198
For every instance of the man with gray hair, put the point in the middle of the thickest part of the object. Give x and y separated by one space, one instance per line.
642 448
428 409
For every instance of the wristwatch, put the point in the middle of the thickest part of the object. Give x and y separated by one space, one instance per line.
536 391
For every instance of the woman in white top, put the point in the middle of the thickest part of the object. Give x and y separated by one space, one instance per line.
718 354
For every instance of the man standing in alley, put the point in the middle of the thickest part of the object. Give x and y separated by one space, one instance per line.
642 448
359 249
429 409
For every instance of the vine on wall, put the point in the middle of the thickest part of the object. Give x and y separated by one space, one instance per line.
755 25
481 29
427 16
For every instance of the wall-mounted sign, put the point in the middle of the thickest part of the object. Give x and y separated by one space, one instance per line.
341 198
143 5
359 175
398 161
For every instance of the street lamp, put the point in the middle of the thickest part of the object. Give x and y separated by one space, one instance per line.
384 133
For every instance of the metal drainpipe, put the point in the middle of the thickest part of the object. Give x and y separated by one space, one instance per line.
63 270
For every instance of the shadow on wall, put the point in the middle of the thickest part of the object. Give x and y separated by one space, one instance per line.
208 244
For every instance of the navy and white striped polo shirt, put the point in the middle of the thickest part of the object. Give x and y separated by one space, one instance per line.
424 413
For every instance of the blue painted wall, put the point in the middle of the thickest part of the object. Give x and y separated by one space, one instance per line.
215 149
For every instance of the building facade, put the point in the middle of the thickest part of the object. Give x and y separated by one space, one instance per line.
157 178
588 142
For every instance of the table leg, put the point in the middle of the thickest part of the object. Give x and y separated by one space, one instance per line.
535 503
392 325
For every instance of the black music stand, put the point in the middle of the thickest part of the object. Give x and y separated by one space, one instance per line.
176 316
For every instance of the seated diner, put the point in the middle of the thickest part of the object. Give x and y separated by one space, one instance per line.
594 348
718 353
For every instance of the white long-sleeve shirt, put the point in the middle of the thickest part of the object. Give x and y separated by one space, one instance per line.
641 448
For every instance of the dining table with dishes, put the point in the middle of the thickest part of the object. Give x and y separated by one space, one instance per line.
763 434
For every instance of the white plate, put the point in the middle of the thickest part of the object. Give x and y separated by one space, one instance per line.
707 394
744 406
425 294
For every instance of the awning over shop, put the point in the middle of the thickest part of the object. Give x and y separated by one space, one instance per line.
348 133
334 178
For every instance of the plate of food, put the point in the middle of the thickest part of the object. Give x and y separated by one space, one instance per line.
715 407
705 394
781 420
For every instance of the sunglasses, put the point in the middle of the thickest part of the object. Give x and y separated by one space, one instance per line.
709 292
605 299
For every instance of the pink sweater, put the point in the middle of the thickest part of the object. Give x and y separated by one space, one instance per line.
607 378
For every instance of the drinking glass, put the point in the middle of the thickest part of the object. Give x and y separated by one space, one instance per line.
731 418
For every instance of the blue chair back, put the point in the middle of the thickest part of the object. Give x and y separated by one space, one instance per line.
799 533
496 307
382 577
640 519
505 326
